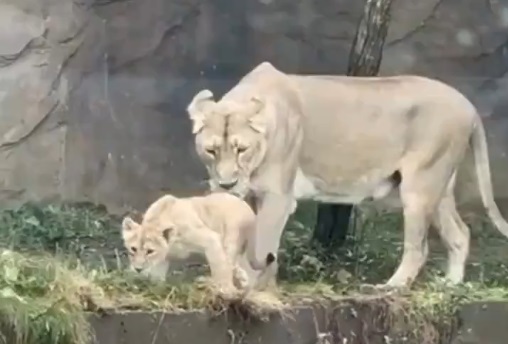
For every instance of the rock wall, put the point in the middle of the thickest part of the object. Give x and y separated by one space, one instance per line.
93 92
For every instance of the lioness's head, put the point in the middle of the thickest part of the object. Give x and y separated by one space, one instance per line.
230 139
149 243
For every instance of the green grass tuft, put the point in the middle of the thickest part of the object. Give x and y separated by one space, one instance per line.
40 301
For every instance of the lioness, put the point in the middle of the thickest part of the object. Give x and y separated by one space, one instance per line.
283 137
220 226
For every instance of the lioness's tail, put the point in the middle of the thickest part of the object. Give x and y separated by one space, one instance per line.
481 157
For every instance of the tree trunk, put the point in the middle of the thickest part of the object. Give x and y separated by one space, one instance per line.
332 221
367 50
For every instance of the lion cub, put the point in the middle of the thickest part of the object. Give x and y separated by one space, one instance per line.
220 226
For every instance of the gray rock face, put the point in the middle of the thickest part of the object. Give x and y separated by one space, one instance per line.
93 92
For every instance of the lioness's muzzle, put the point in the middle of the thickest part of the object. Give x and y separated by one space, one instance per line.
228 184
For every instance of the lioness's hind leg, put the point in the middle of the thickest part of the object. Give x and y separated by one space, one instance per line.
420 194
455 235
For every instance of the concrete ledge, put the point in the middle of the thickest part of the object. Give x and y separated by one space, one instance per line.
200 327
483 323
351 323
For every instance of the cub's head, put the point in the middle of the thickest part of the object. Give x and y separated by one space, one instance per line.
230 138
149 243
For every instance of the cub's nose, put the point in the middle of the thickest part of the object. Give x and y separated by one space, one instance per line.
228 184
138 270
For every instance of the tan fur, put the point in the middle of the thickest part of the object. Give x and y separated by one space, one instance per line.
282 137
219 225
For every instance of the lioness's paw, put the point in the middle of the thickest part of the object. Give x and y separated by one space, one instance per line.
390 288
202 281
380 288
368 289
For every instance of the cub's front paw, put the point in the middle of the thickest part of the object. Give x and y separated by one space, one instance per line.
229 292
240 278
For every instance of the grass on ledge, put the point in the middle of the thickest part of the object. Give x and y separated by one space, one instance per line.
60 261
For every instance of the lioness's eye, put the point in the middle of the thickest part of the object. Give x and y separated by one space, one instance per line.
210 151
241 149
149 251
133 249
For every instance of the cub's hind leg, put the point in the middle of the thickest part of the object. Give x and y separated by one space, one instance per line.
234 242
454 233
240 278
221 266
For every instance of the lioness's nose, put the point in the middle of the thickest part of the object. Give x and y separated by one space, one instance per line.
138 270
228 184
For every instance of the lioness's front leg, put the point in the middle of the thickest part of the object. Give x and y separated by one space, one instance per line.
273 211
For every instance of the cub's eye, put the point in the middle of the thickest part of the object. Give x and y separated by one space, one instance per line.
133 250
149 251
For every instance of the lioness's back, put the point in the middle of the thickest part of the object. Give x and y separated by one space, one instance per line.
380 88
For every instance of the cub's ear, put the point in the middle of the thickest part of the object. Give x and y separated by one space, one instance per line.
197 109
128 224
167 232
257 120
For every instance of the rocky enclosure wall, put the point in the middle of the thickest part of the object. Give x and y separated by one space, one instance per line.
93 92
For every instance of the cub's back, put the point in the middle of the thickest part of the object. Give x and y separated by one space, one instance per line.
233 210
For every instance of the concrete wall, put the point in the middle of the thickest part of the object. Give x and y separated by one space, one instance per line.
349 321
92 92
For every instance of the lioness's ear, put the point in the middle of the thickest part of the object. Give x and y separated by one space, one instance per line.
257 120
128 224
197 108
